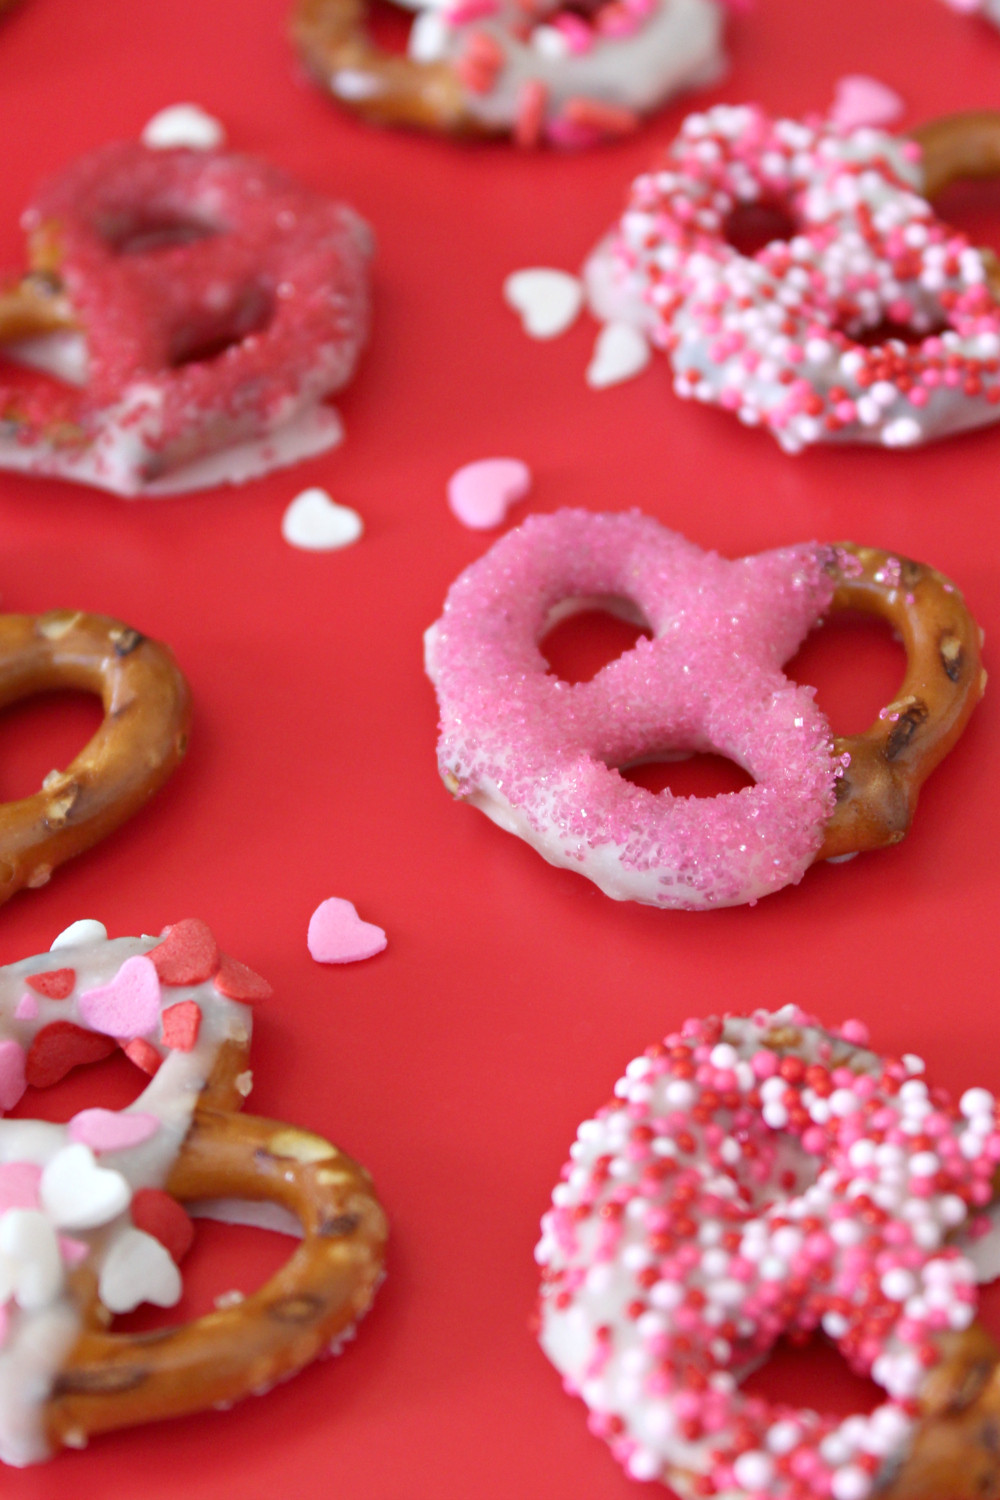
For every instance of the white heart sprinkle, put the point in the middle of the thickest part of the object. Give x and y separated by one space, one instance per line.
78 1194
29 1251
621 351
84 931
318 524
548 301
138 1269
183 125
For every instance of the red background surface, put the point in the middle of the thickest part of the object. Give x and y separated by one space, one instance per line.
457 1064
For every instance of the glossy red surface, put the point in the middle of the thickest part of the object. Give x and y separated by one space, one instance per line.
457 1064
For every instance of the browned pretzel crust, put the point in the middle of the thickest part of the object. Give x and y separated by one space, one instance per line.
142 738
877 794
962 146
335 44
117 1380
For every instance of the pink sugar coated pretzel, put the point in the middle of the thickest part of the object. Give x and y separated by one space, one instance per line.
539 756
774 337
759 1175
220 303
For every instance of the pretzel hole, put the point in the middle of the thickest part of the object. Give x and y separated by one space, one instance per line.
751 226
112 1083
581 636
146 230
972 205
388 25
39 733
224 1259
686 774
205 336
816 1365
856 665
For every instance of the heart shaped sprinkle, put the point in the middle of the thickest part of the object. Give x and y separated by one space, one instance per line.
59 1048
238 982
19 1185
110 1129
29 1249
183 125
129 1004
181 1024
160 1214
860 100
13 1080
54 984
87 930
138 1269
316 523
481 493
337 935
547 301
76 1193
621 352
188 954
72 1251
26 1008
144 1055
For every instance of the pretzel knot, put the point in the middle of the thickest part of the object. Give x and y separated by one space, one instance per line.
541 757
87 1230
758 1176
800 337
219 303
144 733
569 75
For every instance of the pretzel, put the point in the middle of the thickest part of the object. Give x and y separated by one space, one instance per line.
180 1010
540 758
536 71
219 301
141 739
779 337
756 1176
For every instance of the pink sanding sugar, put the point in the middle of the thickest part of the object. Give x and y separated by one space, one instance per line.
541 756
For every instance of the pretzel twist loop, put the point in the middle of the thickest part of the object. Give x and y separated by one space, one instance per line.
141 739
944 680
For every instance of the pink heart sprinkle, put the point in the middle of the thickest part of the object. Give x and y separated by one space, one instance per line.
12 1080
27 1007
337 934
129 1005
19 1185
481 494
73 1251
111 1130
859 100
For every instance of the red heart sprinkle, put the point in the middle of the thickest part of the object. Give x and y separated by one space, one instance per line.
54 984
158 1214
181 1024
143 1054
188 954
59 1048
237 982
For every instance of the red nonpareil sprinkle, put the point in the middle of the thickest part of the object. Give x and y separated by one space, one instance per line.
59 1048
238 982
181 1024
188 954
143 1054
159 1214
54 984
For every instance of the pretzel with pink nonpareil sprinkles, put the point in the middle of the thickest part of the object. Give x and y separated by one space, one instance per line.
540 756
778 337
755 1176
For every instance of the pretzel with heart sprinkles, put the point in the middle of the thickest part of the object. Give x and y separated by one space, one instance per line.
87 1210
541 757
778 336
144 734
755 1176
534 69
219 303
